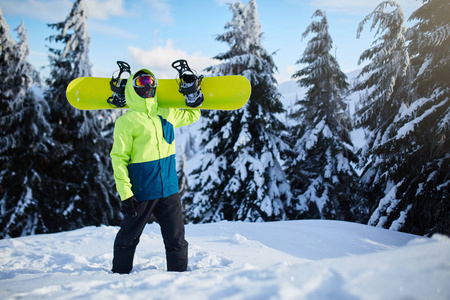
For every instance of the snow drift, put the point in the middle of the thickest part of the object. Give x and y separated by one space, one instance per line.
308 259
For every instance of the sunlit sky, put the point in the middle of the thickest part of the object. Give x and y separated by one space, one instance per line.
153 33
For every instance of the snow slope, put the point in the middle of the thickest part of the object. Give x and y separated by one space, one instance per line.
308 259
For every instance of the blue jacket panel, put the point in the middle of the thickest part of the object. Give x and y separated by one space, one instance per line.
154 179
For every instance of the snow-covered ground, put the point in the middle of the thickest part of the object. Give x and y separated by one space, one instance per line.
309 259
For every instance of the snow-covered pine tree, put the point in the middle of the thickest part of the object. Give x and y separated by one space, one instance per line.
323 182
417 149
239 175
385 81
79 181
412 154
24 139
389 62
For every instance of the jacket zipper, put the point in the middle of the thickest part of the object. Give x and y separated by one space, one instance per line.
159 156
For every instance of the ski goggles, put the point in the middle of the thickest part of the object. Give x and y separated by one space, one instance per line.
144 80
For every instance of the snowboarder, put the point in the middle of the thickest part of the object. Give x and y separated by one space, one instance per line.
143 158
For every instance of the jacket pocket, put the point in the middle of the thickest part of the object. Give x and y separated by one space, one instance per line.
145 180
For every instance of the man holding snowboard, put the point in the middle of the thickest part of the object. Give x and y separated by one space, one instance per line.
143 158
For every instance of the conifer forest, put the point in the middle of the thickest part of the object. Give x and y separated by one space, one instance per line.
263 162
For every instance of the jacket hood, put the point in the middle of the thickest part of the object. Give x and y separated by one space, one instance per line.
136 102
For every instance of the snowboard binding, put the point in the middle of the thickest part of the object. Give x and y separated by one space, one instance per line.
189 83
118 86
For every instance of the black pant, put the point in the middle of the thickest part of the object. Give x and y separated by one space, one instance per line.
168 213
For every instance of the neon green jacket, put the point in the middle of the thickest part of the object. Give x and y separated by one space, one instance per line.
143 153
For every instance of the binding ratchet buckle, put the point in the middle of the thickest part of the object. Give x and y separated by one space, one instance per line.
190 83
118 84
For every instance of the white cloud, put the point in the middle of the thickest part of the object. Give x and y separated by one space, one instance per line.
160 11
159 60
357 7
48 11
57 10
103 9
108 30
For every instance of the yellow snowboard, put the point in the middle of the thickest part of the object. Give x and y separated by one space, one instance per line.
221 93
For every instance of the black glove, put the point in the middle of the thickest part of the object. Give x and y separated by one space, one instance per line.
129 206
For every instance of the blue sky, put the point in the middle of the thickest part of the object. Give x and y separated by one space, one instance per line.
153 33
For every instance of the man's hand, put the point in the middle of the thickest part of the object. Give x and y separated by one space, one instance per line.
129 206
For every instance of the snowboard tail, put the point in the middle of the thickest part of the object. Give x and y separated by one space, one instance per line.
220 93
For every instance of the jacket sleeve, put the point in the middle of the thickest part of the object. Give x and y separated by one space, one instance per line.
183 117
120 157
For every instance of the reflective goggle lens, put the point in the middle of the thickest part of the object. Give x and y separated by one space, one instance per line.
143 80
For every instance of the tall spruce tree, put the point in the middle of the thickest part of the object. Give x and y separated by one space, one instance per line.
25 138
427 188
386 79
422 139
240 176
411 156
389 62
79 181
322 179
